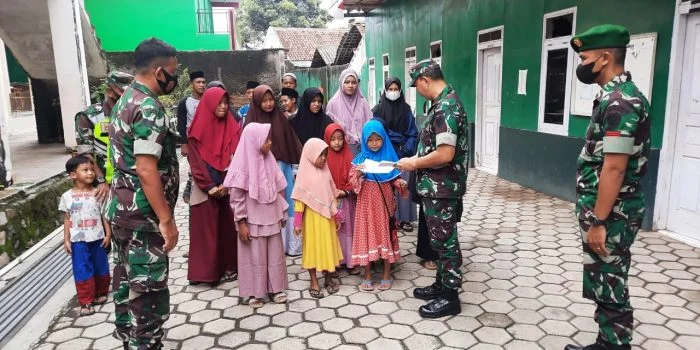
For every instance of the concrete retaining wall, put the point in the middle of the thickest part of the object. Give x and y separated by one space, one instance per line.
29 215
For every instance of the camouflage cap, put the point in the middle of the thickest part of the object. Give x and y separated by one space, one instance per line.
604 36
420 68
119 79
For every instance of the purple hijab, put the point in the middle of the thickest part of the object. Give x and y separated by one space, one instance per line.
350 112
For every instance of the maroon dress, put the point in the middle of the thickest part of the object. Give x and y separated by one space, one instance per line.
213 236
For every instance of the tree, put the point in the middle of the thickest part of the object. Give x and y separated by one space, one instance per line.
259 15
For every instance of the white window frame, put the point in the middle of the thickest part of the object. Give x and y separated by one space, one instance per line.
385 68
437 60
550 45
372 83
410 92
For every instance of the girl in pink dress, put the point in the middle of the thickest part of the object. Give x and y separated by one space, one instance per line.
375 235
257 187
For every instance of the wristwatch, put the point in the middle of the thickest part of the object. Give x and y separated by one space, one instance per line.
101 180
594 220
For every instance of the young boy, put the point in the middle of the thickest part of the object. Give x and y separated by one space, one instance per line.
86 235
243 111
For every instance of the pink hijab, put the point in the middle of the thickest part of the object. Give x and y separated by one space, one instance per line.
350 112
253 171
314 186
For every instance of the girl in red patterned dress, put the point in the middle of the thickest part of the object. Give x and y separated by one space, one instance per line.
375 236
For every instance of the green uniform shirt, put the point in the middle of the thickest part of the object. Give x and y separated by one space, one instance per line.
620 124
84 128
139 126
446 125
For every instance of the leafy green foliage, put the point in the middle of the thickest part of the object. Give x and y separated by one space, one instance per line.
258 15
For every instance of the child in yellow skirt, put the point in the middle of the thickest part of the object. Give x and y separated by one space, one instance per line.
316 215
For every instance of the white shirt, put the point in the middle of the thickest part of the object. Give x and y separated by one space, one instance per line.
191 104
85 217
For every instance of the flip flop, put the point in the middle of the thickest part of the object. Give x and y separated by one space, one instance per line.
354 271
367 286
430 265
316 293
229 276
101 300
280 298
406 227
384 283
86 310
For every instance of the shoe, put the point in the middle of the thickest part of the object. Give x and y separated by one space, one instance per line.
440 307
126 345
598 346
430 292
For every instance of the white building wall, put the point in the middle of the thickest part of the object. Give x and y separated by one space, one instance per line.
5 110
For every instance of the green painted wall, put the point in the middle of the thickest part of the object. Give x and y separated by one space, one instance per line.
16 72
326 77
402 24
122 25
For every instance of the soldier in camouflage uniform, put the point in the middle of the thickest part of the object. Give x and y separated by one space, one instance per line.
441 163
610 202
91 130
141 202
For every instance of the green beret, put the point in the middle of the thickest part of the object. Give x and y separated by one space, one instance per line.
119 79
604 36
420 68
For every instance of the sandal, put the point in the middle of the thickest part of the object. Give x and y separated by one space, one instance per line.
406 227
229 276
316 293
255 303
280 298
430 264
101 300
331 287
384 283
87 310
367 286
354 271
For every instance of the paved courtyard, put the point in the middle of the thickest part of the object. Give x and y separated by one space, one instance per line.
522 290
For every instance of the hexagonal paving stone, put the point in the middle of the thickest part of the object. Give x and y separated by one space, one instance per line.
526 332
272 309
234 339
407 317
554 327
324 341
499 295
205 316
192 306
99 330
396 331
270 334
383 307
333 301
683 327
302 305
220 326
105 343
363 298
495 320
337 325
199 342
660 344
374 321
458 339
556 313
64 335
80 343
492 335
304 329
500 307
430 327
210 295
254 322
422 342
522 345
360 335
286 319
654 331
224 303
319 314
352 311
290 344
183 332
86 321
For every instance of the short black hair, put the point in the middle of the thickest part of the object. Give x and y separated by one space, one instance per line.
434 74
152 51
620 54
74 162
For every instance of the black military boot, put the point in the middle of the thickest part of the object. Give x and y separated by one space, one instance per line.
446 304
430 292
598 345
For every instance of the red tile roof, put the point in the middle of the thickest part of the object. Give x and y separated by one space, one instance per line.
301 43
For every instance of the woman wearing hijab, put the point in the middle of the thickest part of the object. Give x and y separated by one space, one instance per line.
286 149
349 109
401 127
212 140
311 121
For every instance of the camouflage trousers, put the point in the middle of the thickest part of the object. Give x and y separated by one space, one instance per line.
441 217
605 279
141 295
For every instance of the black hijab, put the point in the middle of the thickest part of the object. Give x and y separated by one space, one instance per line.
394 113
308 125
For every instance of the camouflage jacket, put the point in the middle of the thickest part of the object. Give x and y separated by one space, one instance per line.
139 127
446 125
85 128
620 124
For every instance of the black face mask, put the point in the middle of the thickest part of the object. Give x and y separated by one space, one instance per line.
164 84
585 73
